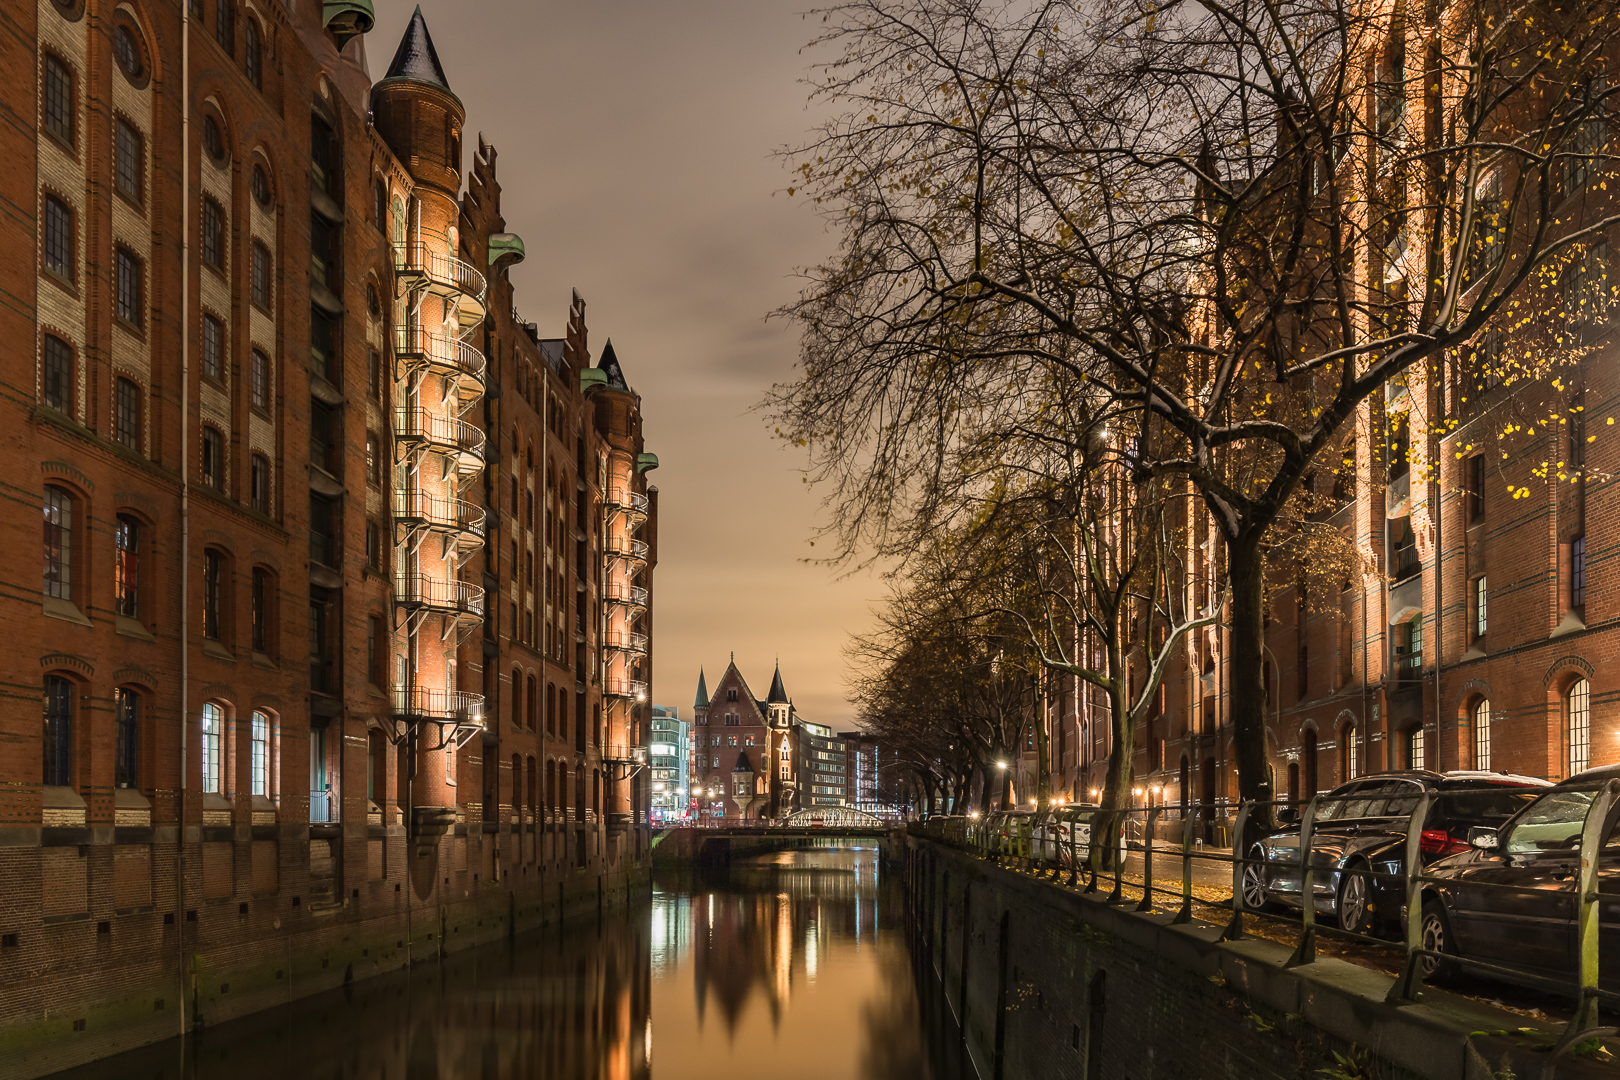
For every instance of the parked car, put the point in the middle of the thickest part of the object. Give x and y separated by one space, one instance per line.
1054 832
1360 833
1510 896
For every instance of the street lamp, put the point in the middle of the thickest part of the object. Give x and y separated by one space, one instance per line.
1006 785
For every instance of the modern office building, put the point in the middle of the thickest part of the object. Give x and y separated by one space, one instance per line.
667 754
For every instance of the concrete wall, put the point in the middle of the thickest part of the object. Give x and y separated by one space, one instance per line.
1047 983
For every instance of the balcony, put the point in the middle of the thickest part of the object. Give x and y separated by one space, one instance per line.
459 517
456 439
440 706
623 501
622 687
634 644
444 275
632 596
445 357
456 598
620 547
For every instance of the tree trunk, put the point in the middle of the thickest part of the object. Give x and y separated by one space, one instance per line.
1246 695
1043 762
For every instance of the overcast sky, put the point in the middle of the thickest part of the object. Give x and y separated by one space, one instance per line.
635 143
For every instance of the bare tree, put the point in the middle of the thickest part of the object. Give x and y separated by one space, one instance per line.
1238 220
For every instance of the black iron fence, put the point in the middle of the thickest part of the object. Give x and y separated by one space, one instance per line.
1069 846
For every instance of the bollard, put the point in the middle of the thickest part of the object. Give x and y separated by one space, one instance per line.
1234 928
1147 862
1405 988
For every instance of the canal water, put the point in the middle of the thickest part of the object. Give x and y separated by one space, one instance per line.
792 965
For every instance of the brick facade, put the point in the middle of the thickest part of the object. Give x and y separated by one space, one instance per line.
314 496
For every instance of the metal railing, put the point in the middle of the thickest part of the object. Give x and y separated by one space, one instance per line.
625 642
441 269
627 549
447 433
1023 841
423 591
633 595
618 686
446 353
440 511
433 704
623 499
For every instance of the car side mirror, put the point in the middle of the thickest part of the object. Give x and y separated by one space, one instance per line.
1483 838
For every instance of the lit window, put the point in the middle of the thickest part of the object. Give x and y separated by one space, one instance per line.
127 567
1482 734
1481 597
213 745
261 754
1580 726
1414 747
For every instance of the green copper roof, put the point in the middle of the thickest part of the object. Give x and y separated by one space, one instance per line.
646 462
703 691
346 19
592 379
502 245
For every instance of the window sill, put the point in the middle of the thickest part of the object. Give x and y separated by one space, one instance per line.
262 660
1572 623
66 610
218 651
133 329
60 281
132 628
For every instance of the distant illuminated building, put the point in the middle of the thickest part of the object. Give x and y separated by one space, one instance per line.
667 757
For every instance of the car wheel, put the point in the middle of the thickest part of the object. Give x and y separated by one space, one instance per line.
1254 882
1436 937
1354 902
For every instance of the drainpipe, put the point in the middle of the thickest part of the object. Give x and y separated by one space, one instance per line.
185 492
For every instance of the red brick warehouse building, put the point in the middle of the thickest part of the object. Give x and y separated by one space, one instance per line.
344 622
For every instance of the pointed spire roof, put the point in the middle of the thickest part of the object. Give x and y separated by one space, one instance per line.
778 695
703 692
610 364
416 59
742 764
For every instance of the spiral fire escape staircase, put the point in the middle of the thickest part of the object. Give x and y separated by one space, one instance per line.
441 376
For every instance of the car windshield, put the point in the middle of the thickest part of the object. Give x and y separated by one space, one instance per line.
1480 806
1553 824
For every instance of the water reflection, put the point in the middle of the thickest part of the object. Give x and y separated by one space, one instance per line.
794 962
792 966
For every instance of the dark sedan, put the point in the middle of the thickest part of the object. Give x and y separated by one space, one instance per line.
1360 833
1510 898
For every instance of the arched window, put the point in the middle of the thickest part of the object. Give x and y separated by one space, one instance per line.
1348 763
1482 734
1578 726
213 595
259 752
213 748
58 745
126 744
127 567
252 54
58 543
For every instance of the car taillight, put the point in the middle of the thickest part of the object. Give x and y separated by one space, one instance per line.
1440 842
